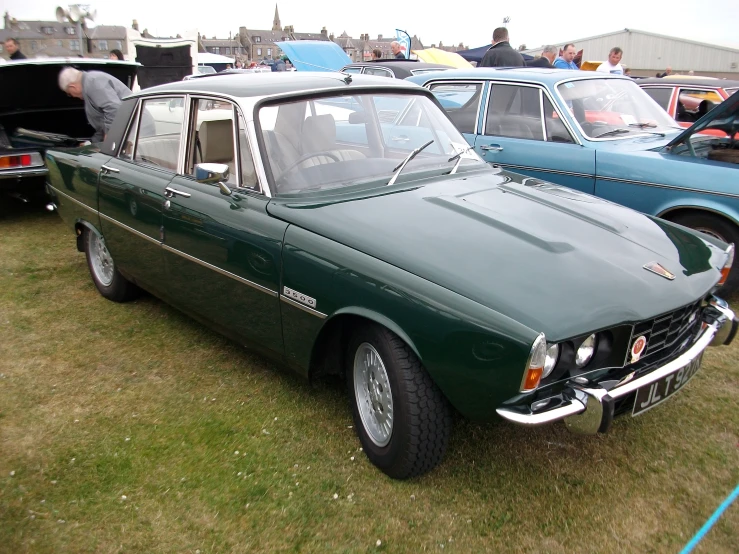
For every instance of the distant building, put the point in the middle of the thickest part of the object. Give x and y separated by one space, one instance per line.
43 38
360 50
648 53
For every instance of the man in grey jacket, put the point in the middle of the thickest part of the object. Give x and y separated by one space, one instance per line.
102 94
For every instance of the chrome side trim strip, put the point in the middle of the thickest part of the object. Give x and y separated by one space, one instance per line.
300 306
65 195
221 271
543 170
661 186
30 172
130 229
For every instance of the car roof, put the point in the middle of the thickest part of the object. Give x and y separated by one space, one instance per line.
273 83
393 63
688 80
543 75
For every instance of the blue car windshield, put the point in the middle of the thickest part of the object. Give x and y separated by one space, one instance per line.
337 141
613 108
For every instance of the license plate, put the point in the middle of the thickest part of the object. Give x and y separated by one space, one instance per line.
655 393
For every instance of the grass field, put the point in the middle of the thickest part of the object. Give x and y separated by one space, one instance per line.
133 428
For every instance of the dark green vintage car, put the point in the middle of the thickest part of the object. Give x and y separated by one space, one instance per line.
342 225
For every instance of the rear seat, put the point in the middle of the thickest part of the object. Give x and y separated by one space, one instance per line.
161 150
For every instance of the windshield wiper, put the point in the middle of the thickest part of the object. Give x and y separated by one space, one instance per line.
642 126
458 157
613 132
398 168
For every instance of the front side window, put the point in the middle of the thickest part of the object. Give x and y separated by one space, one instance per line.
514 111
160 127
461 101
613 108
213 137
660 95
358 140
555 127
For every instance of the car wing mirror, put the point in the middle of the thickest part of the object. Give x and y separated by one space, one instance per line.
211 173
357 117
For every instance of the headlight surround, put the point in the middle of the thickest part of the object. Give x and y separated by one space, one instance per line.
552 356
586 350
535 364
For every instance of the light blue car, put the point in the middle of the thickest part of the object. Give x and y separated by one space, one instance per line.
603 135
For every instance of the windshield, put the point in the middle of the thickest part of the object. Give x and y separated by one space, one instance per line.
339 141
613 108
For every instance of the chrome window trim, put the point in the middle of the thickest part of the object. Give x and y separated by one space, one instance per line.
603 76
251 132
364 72
65 195
541 87
300 306
545 170
217 269
541 116
480 82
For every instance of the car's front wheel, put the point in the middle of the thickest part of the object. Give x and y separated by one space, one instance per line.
402 418
108 280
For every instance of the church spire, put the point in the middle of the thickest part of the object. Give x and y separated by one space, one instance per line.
276 25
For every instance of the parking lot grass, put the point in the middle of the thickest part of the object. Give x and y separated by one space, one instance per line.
130 427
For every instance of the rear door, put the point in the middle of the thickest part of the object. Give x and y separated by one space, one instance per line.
524 132
222 251
132 187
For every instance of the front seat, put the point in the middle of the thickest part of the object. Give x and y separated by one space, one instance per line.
217 144
319 135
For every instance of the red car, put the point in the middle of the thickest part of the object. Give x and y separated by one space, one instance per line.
687 98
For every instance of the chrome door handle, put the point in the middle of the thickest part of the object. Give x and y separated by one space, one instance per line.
169 192
107 169
491 147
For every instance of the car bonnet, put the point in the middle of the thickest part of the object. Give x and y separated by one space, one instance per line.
553 259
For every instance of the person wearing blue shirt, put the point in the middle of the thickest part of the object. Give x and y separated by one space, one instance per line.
565 61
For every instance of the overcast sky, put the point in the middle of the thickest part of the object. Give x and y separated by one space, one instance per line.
533 22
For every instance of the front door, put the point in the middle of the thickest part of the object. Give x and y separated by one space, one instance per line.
132 187
523 132
222 251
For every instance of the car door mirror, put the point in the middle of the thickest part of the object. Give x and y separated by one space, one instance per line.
211 173
357 117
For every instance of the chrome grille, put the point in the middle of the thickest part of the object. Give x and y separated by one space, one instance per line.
666 330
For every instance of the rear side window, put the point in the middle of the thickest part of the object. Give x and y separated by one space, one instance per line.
160 128
514 111
378 71
660 95
461 101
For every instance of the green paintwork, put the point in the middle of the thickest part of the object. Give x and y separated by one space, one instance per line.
467 269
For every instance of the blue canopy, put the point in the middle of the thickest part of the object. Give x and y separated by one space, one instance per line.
315 55
476 54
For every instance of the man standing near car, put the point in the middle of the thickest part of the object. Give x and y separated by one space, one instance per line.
566 60
613 65
13 47
102 94
548 55
501 54
396 49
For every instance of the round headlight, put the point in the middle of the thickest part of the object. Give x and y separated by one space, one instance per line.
586 351
551 359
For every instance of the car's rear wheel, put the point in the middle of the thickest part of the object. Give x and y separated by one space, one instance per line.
719 228
108 280
402 419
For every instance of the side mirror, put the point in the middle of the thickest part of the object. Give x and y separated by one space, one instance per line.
357 117
211 173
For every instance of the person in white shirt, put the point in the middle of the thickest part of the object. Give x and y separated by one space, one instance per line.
613 65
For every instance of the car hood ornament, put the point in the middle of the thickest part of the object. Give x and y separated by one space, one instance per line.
657 268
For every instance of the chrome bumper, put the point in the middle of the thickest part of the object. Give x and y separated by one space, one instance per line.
589 406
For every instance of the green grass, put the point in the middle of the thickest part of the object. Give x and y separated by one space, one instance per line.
218 450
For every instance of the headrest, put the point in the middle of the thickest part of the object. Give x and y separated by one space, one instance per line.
216 140
319 133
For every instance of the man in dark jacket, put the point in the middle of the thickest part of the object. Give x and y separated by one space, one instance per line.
501 54
548 55
13 48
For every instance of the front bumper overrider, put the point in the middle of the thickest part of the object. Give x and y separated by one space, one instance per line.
588 407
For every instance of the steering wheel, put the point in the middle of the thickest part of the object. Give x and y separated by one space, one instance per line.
307 157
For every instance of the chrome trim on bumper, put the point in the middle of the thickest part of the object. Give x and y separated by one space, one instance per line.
579 395
18 173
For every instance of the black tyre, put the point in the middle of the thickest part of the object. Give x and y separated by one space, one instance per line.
109 282
719 228
402 418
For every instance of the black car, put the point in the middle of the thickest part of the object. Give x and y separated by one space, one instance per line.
395 68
